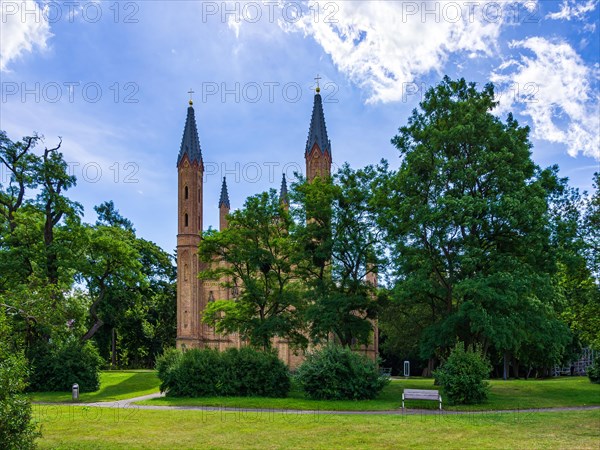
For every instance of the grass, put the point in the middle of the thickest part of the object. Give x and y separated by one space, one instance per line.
67 427
512 394
114 385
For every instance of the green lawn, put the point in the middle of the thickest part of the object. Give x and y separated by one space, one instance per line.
67 427
512 394
114 385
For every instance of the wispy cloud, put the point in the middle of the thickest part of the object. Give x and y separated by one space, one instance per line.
382 46
24 28
559 93
573 10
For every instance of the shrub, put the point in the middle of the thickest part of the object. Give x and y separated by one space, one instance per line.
593 372
164 364
17 430
205 372
338 373
57 366
462 376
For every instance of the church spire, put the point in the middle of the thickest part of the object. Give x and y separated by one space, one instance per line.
190 144
318 146
317 132
224 200
283 193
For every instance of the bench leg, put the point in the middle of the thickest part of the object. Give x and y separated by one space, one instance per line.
440 403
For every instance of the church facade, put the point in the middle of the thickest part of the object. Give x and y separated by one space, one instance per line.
194 294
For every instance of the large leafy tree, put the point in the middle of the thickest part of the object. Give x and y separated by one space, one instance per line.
131 283
253 258
574 225
340 252
467 218
122 280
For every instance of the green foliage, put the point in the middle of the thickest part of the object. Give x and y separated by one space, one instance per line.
337 373
593 372
339 252
207 373
58 365
467 219
257 250
17 430
462 376
48 257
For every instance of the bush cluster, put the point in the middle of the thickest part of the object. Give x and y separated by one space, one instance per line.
17 429
57 366
593 372
204 373
462 376
338 373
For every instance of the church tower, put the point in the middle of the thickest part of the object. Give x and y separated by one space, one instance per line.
318 146
190 169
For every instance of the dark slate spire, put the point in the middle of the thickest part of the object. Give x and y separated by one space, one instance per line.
224 200
283 193
190 144
317 133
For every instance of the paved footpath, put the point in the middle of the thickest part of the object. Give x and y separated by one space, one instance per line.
130 404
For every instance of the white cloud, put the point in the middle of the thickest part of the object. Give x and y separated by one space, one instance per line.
24 27
384 46
555 88
573 9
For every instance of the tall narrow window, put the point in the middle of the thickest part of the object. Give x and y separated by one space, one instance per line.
186 220
186 193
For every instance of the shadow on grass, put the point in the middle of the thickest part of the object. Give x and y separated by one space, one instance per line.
114 386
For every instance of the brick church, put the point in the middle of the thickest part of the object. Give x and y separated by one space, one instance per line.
194 294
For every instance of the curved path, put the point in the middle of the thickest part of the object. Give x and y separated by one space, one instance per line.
131 403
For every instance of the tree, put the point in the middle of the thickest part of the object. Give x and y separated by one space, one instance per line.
110 268
45 247
590 227
17 428
253 255
466 216
139 317
574 223
340 252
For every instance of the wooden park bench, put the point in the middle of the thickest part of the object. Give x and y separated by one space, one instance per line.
421 394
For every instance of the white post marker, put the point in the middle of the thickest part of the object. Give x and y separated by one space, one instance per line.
75 392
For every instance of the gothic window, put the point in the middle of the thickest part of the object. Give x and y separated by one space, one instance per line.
211 297
186 193
235 291
186 220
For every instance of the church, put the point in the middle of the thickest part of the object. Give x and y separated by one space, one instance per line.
194 294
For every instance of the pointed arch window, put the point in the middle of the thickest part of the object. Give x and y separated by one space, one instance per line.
186 219
235 292
186 193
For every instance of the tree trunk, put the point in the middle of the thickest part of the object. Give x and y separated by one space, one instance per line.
113 358
515 364
97 321
505 371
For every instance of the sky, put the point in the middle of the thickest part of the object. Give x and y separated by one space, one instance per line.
111 78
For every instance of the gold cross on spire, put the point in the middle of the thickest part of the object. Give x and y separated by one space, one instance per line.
317 78
191 92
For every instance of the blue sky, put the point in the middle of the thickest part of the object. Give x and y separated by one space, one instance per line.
111 78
